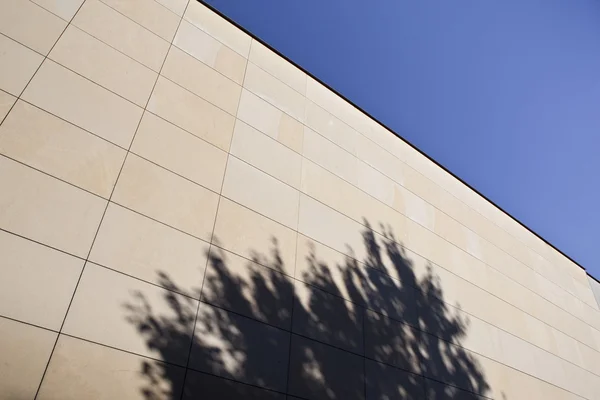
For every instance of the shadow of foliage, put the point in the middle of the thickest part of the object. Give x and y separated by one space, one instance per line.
347 329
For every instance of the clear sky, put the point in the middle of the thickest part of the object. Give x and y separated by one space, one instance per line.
505 94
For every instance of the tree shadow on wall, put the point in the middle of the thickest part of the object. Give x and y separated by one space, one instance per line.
343 329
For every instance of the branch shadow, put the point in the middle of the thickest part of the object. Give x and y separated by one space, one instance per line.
341 329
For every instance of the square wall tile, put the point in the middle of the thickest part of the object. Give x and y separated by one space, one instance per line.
260 192
17 65
118 31
104 65
321 121
271 121
318 371
386 382
328 318
83 103
210 51
30 25
266 154
6 102
157 193
392 342
208 387
329 270
177 6
219 28
192 113
277 66
179 151
331 228
272 90
380 159
151 251
83 370
45 142
438 391
36 282
123 312
240 348
329 156
25 352
340 195
150 14
202 80
248 288
251 235
47 210
65 9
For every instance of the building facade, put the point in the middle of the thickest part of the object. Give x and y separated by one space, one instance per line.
184 214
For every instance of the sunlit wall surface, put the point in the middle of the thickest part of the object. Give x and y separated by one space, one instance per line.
186 215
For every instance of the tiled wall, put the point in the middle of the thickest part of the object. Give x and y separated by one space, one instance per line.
185 214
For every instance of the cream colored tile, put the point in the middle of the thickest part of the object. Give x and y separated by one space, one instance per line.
47 143
191 113
274 91
291 133
277 66
149 14
25 351
380 159
418 209
266 154
326 124
36 282
118 31
210 51
259 291
111 308
74 98
329 156
260 192
29 24
148 250
17 65
207 20
104 65
331 228
177 150
249 234
202 80
47 210
65 9
6 102
347 199
166 197
379 186
177 6
271 121
480 337
84 370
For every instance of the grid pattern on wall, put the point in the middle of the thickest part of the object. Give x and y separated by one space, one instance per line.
186 214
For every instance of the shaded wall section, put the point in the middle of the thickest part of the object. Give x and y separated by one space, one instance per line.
595 286
185 214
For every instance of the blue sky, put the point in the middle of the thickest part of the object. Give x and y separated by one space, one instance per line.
505 94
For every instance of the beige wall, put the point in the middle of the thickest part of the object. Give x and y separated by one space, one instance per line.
185 214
